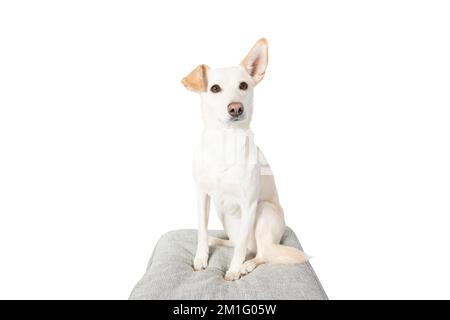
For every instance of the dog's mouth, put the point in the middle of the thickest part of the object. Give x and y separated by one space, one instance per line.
235 119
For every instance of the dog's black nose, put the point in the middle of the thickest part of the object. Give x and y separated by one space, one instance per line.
235 109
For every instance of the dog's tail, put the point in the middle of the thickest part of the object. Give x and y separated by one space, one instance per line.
278 253
214 241
275 253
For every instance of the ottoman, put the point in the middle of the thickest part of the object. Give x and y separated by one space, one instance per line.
170 275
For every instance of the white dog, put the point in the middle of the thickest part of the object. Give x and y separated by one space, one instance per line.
232 171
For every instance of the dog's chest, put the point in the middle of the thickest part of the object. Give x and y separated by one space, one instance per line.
222 182
225 164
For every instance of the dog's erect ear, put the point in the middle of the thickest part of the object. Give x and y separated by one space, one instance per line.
196 80
256 60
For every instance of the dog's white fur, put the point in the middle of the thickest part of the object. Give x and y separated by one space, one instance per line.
229 169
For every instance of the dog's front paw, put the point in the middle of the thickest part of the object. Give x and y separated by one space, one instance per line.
232 275
200 261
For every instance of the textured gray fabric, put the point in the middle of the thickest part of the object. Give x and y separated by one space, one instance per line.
170 275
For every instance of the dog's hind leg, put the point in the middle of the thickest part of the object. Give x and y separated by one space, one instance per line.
269 229
214 241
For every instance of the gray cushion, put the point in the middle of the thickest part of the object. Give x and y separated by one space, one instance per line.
170 275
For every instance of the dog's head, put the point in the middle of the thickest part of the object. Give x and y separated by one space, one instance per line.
227 93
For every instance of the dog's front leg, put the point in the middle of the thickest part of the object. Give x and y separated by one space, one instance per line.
248 214
201 257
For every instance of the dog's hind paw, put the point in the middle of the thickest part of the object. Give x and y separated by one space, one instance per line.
231 275
248 267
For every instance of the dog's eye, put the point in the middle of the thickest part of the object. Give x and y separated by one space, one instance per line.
216 88
243 86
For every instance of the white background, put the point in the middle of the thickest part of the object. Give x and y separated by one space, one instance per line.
97 135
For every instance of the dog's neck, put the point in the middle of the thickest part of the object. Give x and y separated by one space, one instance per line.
224 148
